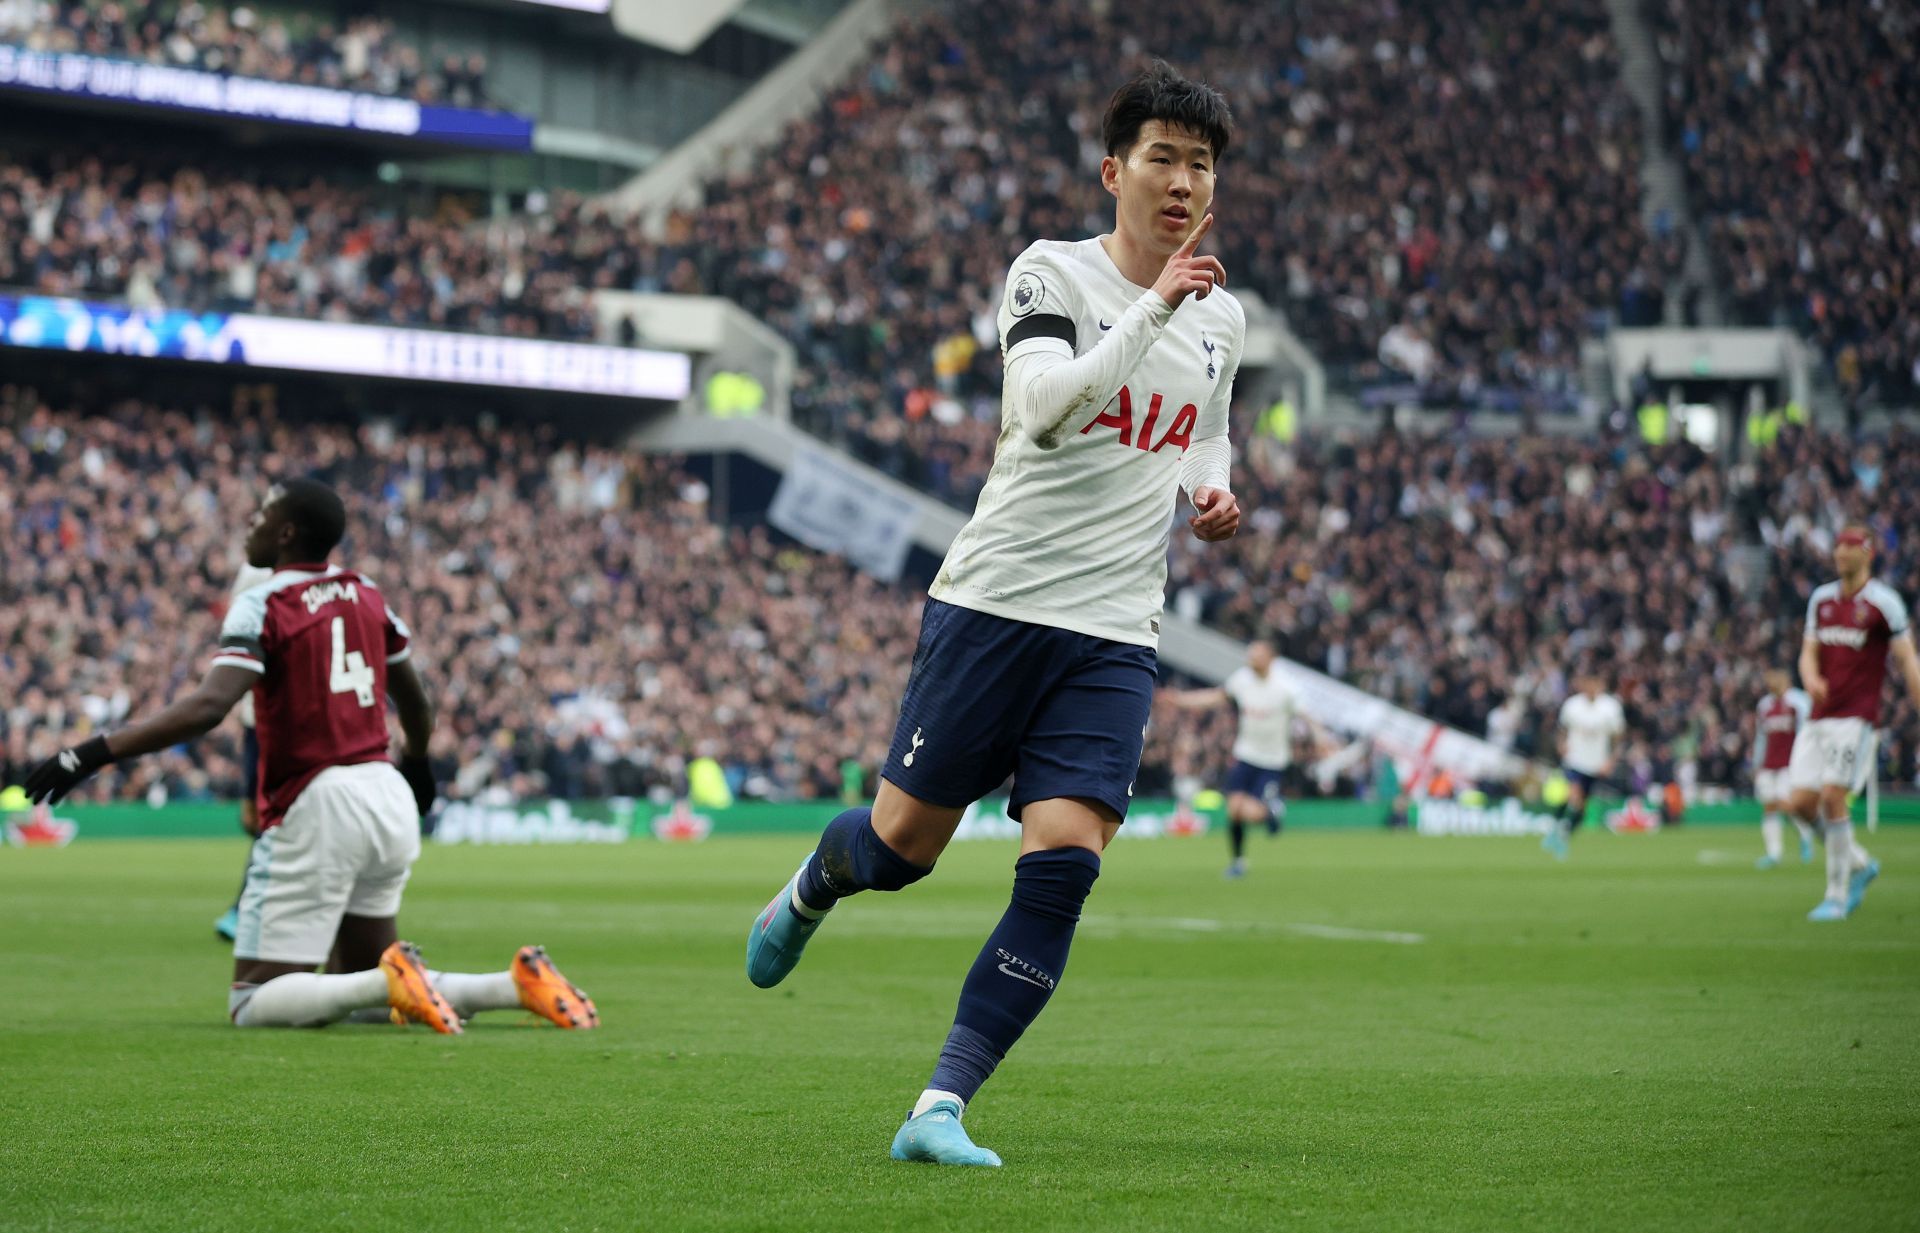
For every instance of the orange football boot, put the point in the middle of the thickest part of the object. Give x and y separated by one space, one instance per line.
410 991
548 994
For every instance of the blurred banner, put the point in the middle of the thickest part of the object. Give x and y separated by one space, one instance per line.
826 506
1509 817
337 347
157 85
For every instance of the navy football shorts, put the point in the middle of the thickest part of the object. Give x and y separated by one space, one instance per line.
1580 779
1259 782
1065 714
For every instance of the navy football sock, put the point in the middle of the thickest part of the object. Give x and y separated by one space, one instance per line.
1018 968
1237 838
851 858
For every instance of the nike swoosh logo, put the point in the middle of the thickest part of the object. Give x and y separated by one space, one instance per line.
1021 976
1105 326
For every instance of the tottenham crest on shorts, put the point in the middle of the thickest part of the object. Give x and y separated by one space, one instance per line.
1027 294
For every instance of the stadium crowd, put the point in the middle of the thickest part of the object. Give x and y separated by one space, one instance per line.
586 627
589 628
1452 189
1469 580
1446 198
1796 122
364 53
89 226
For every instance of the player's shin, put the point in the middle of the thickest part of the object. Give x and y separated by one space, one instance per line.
469 993
304 999
1018 968
852 858
1840 859
1773 835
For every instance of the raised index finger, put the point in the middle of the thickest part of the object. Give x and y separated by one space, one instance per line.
1199 233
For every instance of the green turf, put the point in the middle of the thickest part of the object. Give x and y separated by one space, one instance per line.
1641 1039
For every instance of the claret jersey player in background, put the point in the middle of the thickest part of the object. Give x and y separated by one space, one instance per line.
1853 623
1037 647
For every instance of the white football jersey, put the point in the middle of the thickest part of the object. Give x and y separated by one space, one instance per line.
250 577
1266 718
1075 535
1592 724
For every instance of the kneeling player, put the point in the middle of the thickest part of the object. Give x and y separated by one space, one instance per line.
320 651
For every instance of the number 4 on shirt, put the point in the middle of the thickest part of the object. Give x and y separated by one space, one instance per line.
351 674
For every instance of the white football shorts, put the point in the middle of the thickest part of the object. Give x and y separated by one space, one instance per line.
1831 753
347 844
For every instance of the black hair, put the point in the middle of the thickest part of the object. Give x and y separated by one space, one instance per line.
1158 93
318 514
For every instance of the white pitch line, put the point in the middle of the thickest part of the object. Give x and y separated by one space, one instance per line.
1201 924
1713 856
1340 933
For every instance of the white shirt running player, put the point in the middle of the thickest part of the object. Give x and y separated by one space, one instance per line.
1267 706
1063 492
1593 723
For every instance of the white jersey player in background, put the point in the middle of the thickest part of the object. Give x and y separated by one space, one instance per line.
1262 747
1591 725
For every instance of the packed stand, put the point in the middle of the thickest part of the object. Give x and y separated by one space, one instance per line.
1454 189
1438 198
365 53
1469 581
1796 123
585 626
85 226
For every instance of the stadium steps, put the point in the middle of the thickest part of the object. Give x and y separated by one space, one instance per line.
731 141
1664 207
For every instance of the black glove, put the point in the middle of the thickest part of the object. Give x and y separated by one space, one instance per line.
419 776
66 770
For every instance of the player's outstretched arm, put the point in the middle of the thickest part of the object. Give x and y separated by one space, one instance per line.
188 719
1196 699
415 708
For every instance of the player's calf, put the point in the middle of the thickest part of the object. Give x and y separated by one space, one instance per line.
850 858
1016 972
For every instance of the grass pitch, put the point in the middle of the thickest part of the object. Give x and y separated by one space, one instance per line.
1370 1032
